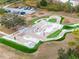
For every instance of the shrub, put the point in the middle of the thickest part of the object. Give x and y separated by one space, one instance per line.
72 43
77 8
43 3
70 54
54 7
77 49
78 14
12 21
2 11
7 1
68 7
2 1
76 34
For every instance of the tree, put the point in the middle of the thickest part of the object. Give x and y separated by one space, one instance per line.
43 3
2 11
7 1
77 8
23 1
2 1
68 6
12 21
12 0
53 1
70 54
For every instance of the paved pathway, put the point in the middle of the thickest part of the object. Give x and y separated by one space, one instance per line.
2 33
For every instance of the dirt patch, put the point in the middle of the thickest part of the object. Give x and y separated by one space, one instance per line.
46 51
8 31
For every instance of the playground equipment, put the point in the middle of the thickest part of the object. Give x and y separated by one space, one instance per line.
44 30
